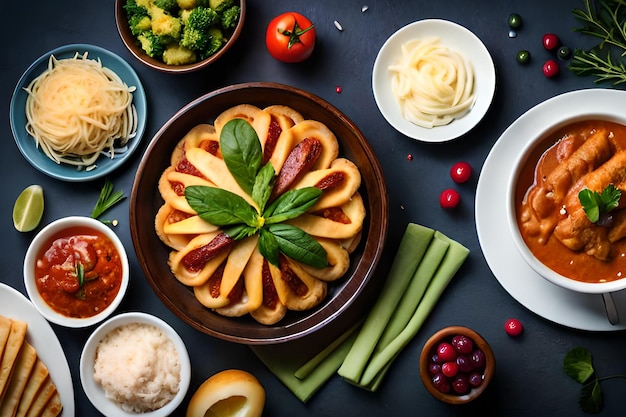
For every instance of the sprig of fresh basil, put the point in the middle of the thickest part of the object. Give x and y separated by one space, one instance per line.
242 153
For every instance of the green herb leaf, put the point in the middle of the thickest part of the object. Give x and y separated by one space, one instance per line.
578 365
240 231
107 199
263 183
242 153
80 274
299 245
292 204
221 207
591 399
595 204
268 246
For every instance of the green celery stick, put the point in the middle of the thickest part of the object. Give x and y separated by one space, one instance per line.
412 247
414 293
455 256
307 368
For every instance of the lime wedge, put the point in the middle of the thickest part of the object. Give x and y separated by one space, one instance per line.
28 208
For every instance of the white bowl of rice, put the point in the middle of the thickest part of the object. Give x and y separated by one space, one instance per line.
135 364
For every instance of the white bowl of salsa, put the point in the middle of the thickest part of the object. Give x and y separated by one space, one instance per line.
76 271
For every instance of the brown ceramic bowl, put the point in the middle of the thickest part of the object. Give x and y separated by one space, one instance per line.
131 43
153 254
430 348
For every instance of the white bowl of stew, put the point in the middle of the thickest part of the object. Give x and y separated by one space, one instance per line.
76 271
548 222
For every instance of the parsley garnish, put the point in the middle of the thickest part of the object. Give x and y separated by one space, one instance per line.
597 204
108 198
578 365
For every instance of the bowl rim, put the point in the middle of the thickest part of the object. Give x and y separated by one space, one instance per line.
96 394
377 222
479 341
511 209
31 256
128 41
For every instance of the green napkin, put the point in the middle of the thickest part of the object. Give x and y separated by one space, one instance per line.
425 263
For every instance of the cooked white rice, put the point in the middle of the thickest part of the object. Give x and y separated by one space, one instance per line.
138 367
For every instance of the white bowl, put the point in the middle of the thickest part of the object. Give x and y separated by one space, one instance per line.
453 36
567 115
37 245
96 393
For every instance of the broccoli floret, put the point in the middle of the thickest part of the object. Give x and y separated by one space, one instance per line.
230 17
152 44
164 24
132 9
216 41
170 6
196 34
139 24
220 5
178 55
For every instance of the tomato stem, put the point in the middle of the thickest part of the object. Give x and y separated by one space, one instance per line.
294 34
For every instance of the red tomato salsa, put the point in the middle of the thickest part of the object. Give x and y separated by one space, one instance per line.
79 272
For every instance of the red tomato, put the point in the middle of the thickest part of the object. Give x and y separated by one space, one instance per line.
551 68
449 199
290 37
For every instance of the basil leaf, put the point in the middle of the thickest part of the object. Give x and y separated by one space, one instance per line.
220 207
590 399
578 364
299 245
292 204
263 183
240 231
268 246
242 153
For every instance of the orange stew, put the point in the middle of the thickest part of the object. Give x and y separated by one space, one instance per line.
79 273
549 213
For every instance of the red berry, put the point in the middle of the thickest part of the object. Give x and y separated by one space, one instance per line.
550 41
461 172
449 369
449 199
551 68
513 327
446 352
338 90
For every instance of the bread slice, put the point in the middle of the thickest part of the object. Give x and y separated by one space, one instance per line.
54 406
36 380
13 346
46 392
23 368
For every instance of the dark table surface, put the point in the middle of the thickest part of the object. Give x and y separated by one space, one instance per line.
529 379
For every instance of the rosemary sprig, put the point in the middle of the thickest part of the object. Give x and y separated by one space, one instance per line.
108 198
608 24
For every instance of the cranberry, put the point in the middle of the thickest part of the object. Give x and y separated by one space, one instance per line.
551 68
475 379
461 172
513 327
441 383
460 385
446 352
462 344
434 368
464 363
449 199
449 369
550 41
478 358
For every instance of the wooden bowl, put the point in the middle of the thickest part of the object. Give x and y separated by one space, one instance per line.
430 348
131 43
153 254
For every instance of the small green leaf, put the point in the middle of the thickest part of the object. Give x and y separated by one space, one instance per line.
591 204
240 231
220 207
80 274
268 246
578 364
107 199
610 198
292 204
242 153
263 183
299 245
591 399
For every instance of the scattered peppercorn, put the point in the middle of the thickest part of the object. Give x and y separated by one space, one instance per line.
564 52
523 56
515 20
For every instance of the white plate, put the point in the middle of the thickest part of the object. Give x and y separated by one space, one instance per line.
41 336
562 306
456 37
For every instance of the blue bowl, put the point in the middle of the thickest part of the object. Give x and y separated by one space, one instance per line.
26 143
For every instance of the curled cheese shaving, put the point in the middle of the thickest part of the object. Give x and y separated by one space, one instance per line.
77 109
432 83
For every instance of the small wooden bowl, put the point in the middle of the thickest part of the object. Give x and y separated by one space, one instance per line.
131 43
430 348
